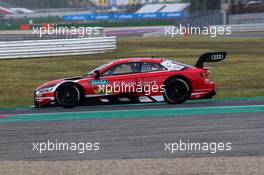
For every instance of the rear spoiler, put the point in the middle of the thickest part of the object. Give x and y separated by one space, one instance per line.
210 57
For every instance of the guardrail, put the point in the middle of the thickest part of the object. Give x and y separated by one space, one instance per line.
66 33
56 47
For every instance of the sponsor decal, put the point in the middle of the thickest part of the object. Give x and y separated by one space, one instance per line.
172 65
98 82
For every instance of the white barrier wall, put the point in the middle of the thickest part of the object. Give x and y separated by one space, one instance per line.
58 47
245 27
248 27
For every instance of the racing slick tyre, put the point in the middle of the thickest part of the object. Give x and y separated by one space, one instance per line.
67 95
177 91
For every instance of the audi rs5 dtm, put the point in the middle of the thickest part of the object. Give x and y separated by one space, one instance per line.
133 80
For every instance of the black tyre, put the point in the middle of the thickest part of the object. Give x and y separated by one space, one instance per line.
68 95
177 91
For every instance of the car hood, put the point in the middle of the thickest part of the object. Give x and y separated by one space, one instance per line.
56 82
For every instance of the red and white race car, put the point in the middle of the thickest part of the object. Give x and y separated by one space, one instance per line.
133 80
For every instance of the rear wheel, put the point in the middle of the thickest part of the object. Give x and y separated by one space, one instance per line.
68 95
177 91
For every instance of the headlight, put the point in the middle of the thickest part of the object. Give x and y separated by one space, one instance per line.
45 90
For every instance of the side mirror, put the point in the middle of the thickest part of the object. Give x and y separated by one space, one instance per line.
96 74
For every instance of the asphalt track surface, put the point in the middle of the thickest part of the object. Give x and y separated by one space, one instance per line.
189 104
121 136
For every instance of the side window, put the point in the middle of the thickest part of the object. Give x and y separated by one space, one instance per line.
151 67
121 69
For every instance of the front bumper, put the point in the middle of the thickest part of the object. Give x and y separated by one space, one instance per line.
42 100
209 95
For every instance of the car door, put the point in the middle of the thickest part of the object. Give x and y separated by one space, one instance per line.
120 79
153 75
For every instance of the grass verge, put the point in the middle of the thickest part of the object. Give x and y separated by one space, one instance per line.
240 75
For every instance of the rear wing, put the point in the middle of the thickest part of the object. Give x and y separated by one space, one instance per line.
210 57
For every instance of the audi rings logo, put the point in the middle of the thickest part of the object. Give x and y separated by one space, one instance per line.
217 57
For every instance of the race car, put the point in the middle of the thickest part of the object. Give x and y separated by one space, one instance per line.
133 80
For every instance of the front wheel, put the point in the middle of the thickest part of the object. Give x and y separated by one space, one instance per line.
67 95
177 91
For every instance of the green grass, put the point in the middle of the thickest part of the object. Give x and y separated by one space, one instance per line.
240 75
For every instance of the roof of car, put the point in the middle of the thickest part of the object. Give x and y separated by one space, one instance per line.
151 60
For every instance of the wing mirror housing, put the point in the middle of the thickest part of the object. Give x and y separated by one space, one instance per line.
96 74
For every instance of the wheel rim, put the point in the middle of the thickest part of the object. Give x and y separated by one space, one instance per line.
68 95
177 91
